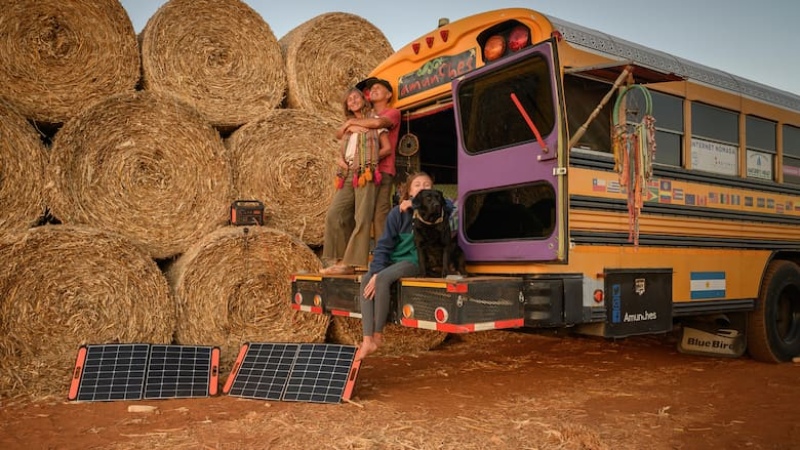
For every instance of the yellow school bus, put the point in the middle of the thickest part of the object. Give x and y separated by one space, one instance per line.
602 186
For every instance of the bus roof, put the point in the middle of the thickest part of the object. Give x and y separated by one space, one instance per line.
621 49
414 56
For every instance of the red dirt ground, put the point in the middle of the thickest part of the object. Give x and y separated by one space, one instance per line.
491 390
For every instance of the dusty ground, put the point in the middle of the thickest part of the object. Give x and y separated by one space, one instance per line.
496 390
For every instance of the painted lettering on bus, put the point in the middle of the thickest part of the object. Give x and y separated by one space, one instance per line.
436 72
616 303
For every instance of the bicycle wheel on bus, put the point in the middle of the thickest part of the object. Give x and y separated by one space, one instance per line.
773 333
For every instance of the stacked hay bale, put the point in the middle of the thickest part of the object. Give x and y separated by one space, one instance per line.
233 287
22 165
58 57
101 289
219 56
143 176
288 160
327 55
145 165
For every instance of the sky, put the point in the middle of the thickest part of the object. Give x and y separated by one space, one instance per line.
755 39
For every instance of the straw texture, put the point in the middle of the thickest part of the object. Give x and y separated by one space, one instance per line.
287 160
145 165
22 163
233 287
58 57
326 55
67 286
218 55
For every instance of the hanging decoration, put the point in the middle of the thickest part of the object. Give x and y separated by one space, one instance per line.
634 148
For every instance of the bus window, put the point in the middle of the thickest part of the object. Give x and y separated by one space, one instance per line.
668 112
519 212
715 140
490 119
791 154
761 148
582 96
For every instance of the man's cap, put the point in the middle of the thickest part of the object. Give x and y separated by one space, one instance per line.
367 83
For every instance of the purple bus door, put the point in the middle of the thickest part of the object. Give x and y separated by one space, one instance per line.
511 185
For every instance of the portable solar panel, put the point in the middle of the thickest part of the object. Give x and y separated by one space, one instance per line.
109 372
135 371
319 373
177 371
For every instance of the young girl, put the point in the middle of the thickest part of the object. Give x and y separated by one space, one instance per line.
394 257
349 218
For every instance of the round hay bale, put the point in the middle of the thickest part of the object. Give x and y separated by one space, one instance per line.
22 162
287 160
397 340
233 287
58 57
145 165
328 54
64 287
218 55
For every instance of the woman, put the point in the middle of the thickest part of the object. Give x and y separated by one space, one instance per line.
394 257
349 218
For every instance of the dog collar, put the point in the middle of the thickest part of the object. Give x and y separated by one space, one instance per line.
436 222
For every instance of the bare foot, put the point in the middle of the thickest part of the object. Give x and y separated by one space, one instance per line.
338 269
377 338
365 349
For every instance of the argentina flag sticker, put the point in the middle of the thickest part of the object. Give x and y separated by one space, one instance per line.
706 285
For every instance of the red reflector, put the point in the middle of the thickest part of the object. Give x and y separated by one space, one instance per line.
598 296
518 38
444 34
441 315
456 288
429 41
298 298
415 47
557 34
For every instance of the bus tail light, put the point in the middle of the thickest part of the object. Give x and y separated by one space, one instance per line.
519 38
408 311
494 48
598 296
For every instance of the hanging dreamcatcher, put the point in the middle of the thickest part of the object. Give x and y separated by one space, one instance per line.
408 145
634 146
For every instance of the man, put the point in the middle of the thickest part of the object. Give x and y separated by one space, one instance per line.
379 92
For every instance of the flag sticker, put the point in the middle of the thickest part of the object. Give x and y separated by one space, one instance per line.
706 285
598 185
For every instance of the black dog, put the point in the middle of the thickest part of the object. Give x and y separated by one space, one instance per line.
437 248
